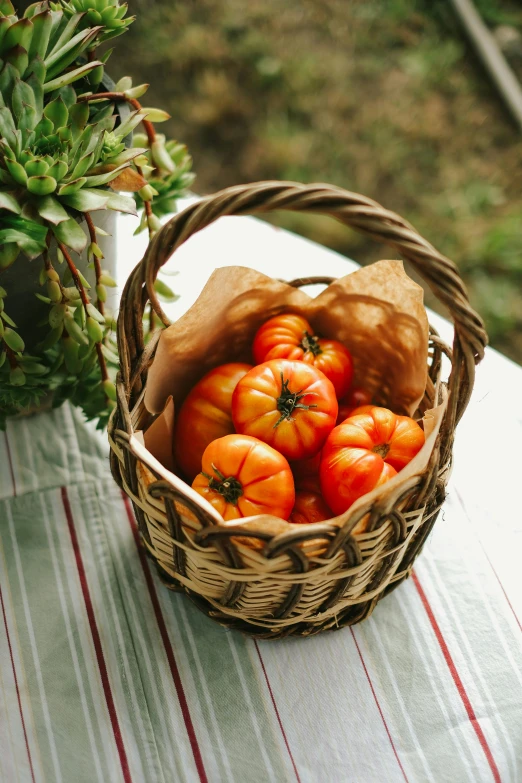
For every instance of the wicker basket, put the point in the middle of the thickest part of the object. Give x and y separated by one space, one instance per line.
319 576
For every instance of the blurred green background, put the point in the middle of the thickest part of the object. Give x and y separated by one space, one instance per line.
384 97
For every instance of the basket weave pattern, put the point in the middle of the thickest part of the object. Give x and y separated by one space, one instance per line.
321 576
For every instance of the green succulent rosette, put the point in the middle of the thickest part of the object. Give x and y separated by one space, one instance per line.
65 153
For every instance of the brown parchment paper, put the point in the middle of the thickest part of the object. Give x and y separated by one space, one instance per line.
159 437
377 312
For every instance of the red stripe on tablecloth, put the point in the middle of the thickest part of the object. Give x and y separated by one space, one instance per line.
10 460
198 759
379 706
16 685
461 501
456 678
96 640
277 712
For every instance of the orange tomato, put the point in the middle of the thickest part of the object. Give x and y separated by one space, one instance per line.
309 507
288 404
356 398
290 336
206 415
241 477
364 452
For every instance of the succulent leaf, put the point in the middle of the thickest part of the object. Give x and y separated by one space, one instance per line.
41 186
128 181
69 233
63 29
72 187
87 200
17 171
6 8
18 34
50 209
22 94
13 340
68 53
8 254
56 111
79 116
122 204
9 202
36 167
155 115
58 170
70 76
42 25
18 58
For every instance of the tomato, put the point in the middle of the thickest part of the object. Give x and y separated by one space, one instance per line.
306 473
364 452
290 336
288 404
309 507
242 477
356 398
206 415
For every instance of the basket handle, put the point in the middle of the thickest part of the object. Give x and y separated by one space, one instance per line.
352 209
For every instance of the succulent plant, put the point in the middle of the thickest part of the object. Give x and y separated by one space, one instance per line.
108 13
64 153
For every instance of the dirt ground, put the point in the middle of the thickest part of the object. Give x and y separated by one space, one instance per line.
384 97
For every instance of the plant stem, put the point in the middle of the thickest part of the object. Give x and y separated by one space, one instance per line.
75 276
102 363
147 124
11 358
289 401
85 301
97 263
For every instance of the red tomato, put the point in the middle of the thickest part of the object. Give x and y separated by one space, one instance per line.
242 477
206 415
356 398
290 405
309 507
364 452
306 473
290 336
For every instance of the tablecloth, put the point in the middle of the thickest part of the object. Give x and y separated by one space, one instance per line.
105 675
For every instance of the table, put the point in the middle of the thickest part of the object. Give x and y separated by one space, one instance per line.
107 676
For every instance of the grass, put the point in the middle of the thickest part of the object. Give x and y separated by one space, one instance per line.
383 97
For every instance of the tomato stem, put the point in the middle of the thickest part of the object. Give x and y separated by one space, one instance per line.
231 488
288 402
311 343
381 449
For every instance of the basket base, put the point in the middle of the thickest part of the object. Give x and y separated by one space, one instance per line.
351 615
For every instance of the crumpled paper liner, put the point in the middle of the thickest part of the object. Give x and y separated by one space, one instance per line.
159 437
377 312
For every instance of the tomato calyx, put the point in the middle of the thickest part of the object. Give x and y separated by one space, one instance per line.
230 487
311 343
288 401
381 449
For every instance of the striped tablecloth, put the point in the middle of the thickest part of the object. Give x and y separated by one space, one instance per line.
107 676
